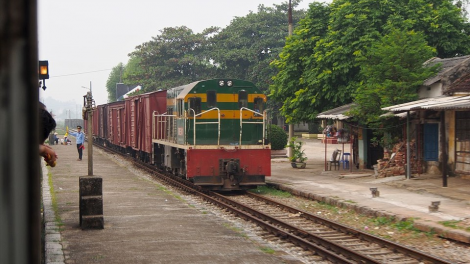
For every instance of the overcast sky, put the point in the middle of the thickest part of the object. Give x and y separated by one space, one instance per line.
83 40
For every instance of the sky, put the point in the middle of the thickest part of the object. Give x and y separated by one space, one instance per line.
84 40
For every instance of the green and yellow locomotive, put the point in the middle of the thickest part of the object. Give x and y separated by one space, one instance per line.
214 134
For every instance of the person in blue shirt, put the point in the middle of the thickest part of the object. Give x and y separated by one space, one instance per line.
80 141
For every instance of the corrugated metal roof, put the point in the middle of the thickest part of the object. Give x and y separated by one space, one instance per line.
461 85
446 65
336 113
436 103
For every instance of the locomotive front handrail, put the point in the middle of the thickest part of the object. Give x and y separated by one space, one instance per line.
200 123
248 122
162 124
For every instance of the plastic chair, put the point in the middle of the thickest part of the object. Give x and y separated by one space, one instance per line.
335 159
345 160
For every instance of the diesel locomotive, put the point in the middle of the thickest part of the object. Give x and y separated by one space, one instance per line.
211 132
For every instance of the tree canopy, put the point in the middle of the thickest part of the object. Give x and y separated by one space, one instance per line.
320 69
246 47
243 50
113 78
391 70
173 58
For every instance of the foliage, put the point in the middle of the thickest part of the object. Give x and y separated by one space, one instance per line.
277 136
392 71
132 71
265 190
298 155
173 58
246 47
318 69
406 225
289 83
113 78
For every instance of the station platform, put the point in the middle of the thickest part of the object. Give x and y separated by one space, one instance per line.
143 222
399 198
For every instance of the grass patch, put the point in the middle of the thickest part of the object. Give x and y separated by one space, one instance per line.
455 224
407 225
271 191
237 230
55 207
381 221
450 223
267 250
329 207
350 201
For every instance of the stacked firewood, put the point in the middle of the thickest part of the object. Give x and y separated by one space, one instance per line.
394 163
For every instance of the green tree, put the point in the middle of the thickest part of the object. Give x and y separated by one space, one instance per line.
392 71
132 71
289 82
173 58
246 47
113 78
331 76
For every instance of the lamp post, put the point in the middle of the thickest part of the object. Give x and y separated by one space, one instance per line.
290 30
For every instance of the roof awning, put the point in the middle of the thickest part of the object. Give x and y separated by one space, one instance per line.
436 103
336 113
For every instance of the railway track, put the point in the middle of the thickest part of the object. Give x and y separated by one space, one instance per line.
330 240
354 245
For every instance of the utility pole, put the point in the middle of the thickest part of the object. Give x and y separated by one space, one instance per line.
291 29
89 109
90 187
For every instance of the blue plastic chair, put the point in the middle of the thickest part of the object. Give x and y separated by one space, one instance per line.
345 160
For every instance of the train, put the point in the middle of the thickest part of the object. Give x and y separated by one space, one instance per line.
210 132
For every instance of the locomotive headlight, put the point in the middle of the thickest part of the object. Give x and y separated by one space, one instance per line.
229 83
221 83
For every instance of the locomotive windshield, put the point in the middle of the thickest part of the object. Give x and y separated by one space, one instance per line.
195 104
242 99
259 105
211 99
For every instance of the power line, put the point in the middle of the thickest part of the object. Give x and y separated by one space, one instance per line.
79 73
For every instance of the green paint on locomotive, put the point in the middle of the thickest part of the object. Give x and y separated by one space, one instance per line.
205 95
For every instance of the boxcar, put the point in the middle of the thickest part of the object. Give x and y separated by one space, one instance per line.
139 110
116 137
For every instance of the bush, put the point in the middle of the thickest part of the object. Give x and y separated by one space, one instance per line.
277 137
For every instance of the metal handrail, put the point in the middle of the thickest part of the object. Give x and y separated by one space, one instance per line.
162 124
200 123
256 113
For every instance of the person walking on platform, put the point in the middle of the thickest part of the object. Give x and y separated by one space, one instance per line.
80 136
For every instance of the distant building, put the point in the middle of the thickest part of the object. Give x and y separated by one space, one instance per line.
73 123
122 89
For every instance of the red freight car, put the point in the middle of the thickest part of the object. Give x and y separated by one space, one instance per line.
116 122
139 111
